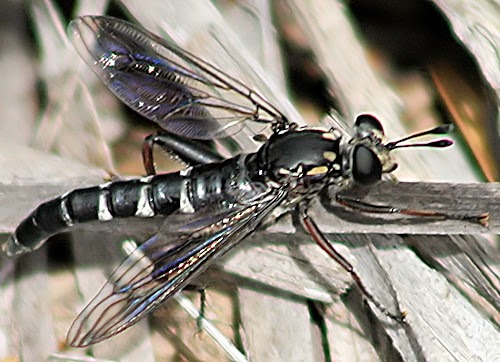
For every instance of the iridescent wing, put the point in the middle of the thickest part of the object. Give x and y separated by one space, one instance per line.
159 268
182 93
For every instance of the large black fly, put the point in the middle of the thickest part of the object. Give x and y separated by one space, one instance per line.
216 202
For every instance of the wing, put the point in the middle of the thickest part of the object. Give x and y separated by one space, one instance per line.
182 93
156 270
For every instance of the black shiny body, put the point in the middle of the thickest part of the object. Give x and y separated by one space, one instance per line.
112 200
219 186
217 202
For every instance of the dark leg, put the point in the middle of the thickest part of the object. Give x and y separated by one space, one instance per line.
189 151
323 242
384 209
203 303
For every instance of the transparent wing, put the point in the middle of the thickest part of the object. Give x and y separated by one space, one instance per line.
166 84
159 268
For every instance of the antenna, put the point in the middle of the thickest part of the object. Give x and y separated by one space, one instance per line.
444 129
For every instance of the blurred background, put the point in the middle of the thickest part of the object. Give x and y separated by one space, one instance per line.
415 64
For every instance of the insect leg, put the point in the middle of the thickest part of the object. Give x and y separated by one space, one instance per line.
203 308
189 151
323 242
386 209
203 302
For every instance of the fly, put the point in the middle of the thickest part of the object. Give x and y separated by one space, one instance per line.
215 202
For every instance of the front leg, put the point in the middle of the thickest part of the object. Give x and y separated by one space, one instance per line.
366 207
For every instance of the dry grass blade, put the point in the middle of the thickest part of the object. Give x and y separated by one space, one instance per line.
446 281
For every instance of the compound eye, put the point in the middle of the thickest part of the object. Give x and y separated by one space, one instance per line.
366 166
368 122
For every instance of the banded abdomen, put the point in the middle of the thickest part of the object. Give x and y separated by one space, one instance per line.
163 194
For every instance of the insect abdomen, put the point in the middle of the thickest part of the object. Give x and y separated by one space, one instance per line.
158 195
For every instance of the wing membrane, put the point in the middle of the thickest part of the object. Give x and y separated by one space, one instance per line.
166 84
156 270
